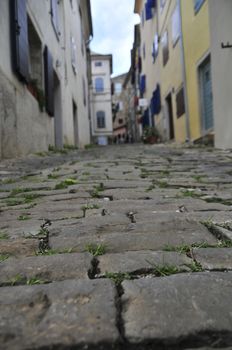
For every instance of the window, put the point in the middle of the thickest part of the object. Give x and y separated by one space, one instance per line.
20 39
117 88
98 64
49 81
155 47
99 85
198 4
74 54
162 4
143 17
55 16
180 104
101 122
120 121
144 51
176 29
81 31
84 90
35 85
165 48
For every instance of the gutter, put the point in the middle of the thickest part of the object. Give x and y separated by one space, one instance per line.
183 64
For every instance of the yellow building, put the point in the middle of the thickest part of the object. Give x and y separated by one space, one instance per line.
161 57
196 45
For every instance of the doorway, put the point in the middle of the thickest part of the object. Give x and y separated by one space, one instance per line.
75 123
58 113
206 95
170 116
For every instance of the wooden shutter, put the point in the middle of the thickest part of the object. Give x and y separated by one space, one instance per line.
19 34
49 81
180 103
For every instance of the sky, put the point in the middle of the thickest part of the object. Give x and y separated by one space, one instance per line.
113 31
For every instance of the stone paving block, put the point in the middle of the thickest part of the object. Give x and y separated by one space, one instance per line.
141 261
19 247
56 267
61 315
214 258
174 311
134 241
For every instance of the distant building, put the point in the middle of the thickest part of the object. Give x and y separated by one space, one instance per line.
101 101
120 133
43 75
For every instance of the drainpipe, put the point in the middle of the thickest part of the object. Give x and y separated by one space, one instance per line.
188 133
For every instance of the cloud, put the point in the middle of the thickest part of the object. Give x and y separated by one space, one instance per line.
113 27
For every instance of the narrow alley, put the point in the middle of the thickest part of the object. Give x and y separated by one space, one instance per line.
117 247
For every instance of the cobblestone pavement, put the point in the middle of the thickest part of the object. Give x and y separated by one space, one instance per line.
137 253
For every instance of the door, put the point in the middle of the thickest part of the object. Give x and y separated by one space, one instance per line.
75 124
206 95
58 113
170 116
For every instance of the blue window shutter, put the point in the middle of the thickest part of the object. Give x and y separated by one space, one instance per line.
198 4
156 101
142 84
19 33
49 81
151 3
148 10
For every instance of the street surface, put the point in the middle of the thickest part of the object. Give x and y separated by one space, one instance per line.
122 247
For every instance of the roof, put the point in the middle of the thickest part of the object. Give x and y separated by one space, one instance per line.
104 57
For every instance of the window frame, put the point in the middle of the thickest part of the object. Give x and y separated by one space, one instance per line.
165 47
55 17
176 17
99 87
98 64
198 5
101 119
180 110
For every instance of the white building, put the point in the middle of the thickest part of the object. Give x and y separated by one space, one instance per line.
43 74
101 101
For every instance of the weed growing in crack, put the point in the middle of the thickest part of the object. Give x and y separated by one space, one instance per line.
225 244
55 251
162 184
53 176
86 207
3 235
96 189
227 202
8 181
18 190
96 249
198 178
165 270
16 280
190 193
3 257
65 184
33 281
194 266
185 248
24 217
118 277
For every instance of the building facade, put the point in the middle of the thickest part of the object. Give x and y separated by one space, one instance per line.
43 75
185 69
101 98
119 101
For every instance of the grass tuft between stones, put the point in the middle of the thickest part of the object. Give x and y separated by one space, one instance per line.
118 277
3 257
96 249
3 235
